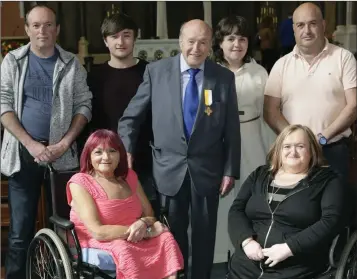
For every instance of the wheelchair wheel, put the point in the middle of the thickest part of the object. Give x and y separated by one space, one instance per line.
47 257
347 268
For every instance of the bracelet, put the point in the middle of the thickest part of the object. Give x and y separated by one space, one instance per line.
245 244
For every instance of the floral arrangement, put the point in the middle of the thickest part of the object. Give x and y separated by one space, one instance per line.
9 45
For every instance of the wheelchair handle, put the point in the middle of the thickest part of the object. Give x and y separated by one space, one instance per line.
46 165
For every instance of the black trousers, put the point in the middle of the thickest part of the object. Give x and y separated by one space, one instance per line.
24 193
147 182
203 224
337 155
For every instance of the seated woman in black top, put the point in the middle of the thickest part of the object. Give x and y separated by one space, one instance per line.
287 213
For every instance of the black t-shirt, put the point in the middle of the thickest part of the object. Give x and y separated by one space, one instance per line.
112 90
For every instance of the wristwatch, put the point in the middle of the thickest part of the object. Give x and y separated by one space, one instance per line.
148 231
322 139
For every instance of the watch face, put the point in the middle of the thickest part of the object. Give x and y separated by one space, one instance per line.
323 140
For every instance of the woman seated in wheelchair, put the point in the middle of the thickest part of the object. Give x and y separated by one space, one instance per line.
287 213
111 213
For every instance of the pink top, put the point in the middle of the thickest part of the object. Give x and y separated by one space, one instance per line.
151 258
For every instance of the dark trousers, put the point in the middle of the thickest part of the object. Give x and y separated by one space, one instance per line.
146 180
24 193
338 157
203 224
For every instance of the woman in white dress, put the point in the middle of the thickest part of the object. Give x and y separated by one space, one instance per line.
232 49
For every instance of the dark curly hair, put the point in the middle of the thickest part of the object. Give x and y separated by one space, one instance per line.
236 25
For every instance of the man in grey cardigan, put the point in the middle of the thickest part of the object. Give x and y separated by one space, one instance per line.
45 103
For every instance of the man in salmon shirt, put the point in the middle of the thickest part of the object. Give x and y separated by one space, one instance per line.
315 85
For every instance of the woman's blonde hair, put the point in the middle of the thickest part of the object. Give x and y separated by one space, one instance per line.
274 155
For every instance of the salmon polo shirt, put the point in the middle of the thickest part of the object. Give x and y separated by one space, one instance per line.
313 94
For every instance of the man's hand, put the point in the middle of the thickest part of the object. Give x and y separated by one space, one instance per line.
38 151
226 185
57 150
157 229
277 253
130 160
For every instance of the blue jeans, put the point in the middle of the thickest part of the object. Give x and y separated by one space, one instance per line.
24 193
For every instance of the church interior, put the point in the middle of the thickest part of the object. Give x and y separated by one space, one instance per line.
159 24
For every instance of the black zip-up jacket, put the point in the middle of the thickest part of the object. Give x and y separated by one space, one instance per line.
307 220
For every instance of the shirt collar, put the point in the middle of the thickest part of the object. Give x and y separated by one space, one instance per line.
246 65
184 67
296 51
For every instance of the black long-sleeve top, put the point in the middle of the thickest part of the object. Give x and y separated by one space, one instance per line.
307 220
112 91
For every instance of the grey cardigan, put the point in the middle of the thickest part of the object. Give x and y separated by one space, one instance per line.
71 96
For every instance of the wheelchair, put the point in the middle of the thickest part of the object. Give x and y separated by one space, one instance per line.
342 257
57 253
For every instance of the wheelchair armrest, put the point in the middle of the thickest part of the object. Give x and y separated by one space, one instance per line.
61 222
337 244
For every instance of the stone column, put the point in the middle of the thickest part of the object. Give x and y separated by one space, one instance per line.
351 28
207 11
22 9
349 12
161 20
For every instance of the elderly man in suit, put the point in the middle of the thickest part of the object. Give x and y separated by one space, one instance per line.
196 148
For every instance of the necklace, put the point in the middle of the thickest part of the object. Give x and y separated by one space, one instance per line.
273 193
